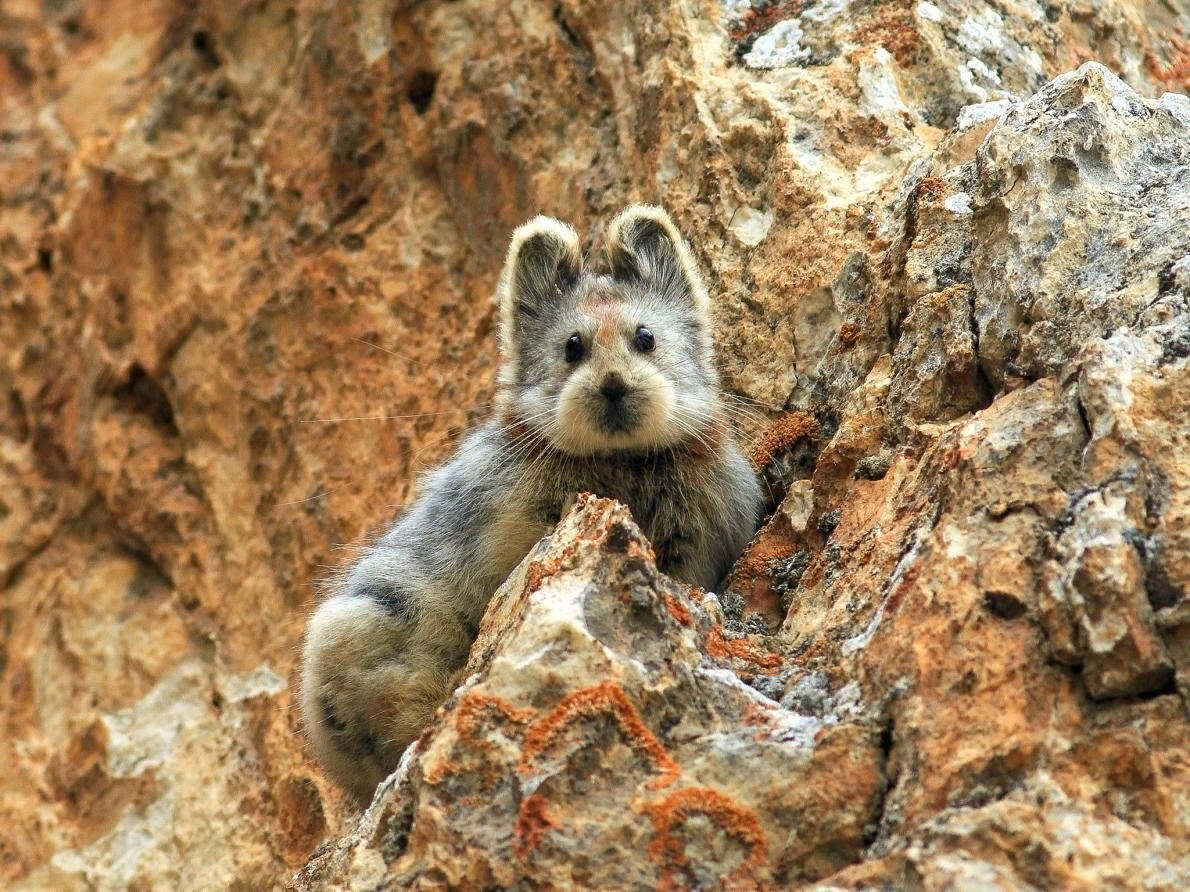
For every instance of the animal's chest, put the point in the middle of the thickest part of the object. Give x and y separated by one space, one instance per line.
652 490
514 529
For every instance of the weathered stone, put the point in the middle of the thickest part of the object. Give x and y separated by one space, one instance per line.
604 739
1103 582
1035 837
1039 518
1083 187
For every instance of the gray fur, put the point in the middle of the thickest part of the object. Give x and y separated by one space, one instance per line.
384 651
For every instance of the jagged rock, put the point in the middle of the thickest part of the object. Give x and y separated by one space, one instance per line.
1102 582
209 211
605 739
1037 523
1033 837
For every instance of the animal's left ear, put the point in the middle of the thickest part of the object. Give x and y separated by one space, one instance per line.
643 245
543 261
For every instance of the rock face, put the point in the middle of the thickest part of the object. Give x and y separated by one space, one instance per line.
981 672
951 271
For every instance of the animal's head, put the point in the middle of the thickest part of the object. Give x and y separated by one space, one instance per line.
618 358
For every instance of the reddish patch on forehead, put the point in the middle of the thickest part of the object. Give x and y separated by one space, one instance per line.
604 305
600 298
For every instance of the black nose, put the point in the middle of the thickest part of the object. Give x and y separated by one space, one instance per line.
613 387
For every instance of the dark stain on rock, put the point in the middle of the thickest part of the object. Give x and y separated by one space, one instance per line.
1004 605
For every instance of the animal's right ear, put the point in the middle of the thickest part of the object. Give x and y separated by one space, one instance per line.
644 245
543 261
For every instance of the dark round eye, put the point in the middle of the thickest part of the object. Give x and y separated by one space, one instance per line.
644 341
574 348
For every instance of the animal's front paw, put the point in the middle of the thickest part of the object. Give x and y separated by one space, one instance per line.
370 685
567 504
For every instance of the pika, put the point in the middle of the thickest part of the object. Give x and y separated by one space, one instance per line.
607 385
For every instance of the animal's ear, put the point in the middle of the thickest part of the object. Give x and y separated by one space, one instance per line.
543 261
643 245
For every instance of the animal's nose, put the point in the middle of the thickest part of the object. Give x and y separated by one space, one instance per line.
613 387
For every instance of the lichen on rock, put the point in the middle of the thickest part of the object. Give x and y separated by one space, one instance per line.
606 738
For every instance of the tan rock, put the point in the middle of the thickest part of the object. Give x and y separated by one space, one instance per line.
605 739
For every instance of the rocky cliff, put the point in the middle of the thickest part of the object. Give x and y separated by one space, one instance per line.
246 257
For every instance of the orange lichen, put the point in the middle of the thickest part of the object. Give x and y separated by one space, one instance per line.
756 715
605 698
750 578
1174 76
895 35
668 851
773 542
721 648
929 189
814 572
677 609
782 434
468 712
538 573
755 21
533 822
475 747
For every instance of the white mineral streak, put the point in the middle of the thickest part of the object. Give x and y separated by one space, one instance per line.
778 47
750 226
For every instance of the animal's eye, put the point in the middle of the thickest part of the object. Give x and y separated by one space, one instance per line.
574 348
644 341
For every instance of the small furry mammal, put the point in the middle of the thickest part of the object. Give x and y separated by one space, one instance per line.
607 385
